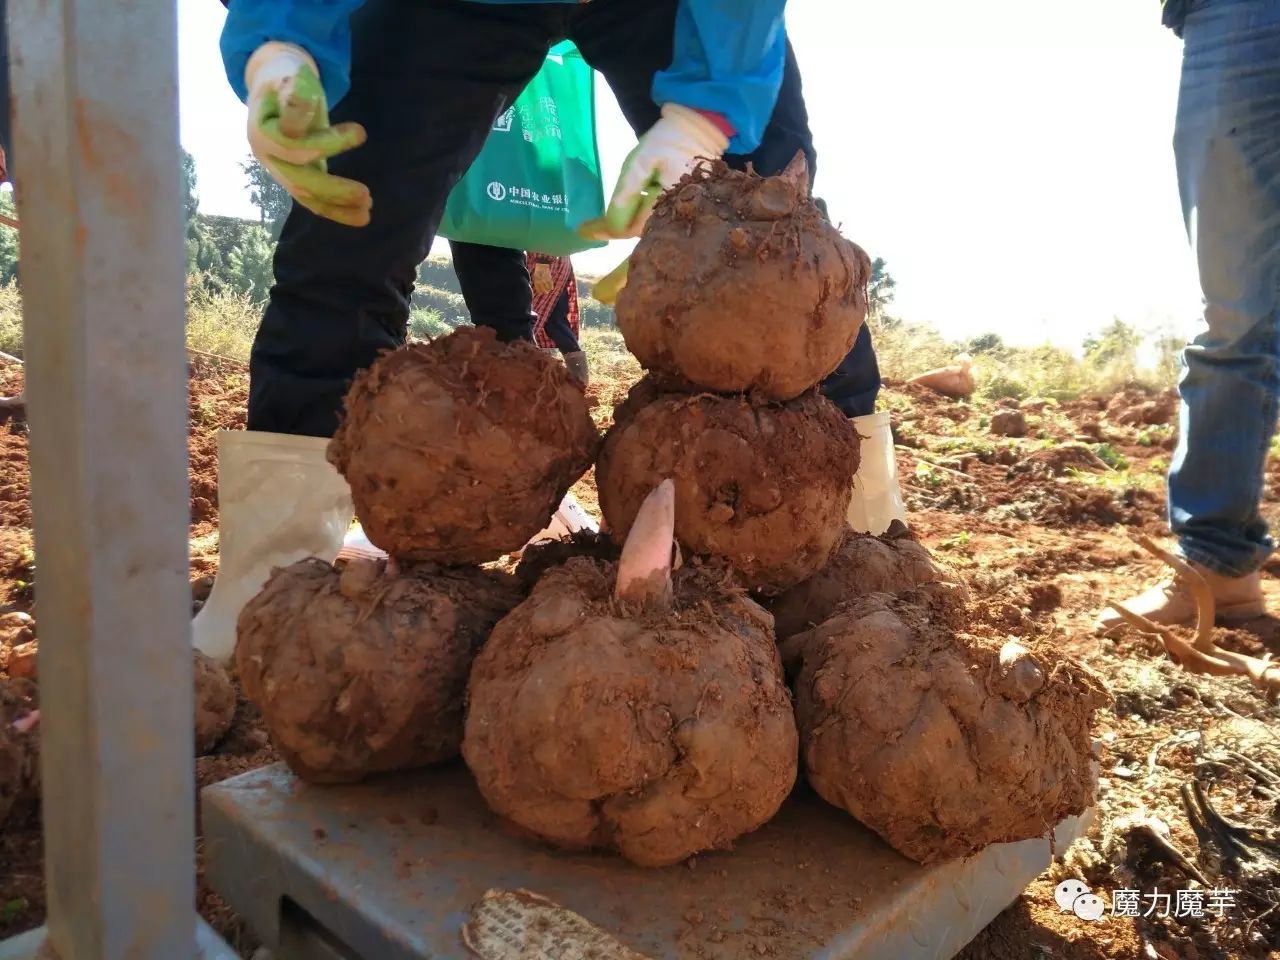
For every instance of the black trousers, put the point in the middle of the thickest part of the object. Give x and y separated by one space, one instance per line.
6 106
496 285
558 328
342 294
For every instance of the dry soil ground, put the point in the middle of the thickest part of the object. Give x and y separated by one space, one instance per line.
1039 526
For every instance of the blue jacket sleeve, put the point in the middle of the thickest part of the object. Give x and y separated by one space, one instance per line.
321 27
729 57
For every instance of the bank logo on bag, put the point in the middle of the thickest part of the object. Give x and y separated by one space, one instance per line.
537 177
525 197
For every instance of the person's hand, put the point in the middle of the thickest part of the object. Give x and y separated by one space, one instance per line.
290 134
667 151
542 281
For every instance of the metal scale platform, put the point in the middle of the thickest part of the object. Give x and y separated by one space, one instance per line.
409 867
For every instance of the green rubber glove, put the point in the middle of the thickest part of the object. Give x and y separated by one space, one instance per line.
290 134
607 288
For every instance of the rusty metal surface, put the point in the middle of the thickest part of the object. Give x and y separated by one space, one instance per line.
393 869
95 87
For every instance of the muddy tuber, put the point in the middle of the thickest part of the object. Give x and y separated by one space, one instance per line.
362 670
740 284
621 708
459 450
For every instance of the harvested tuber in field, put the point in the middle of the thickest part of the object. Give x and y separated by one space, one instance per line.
1040 547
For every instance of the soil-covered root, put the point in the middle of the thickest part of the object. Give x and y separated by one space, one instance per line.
596 723
861 565
739 284
765 486
360 671
19 751
459 450
940 741
215 698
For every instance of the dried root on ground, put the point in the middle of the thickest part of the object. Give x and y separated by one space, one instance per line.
360 670
1202 655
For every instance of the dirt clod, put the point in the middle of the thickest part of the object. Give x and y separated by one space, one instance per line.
19 752
16 628
357 671
595 723
459 450
1009 423
215 699
23 660
764 486
940 741
732 258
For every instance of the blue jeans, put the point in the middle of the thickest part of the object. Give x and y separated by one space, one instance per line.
1227 145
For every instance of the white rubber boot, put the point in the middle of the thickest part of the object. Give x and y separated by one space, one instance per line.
279 501
570 518
877 498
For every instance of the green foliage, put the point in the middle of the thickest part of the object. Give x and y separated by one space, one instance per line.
1001 387
1108 360
190 200
249 265
220 321
608 357
11 911
986 343
1112 457
426 324
271 199
8 242
438 272
10 319
880 290
450 307
929 475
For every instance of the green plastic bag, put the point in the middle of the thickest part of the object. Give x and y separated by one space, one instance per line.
538 176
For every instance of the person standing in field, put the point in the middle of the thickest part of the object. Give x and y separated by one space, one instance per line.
1227 147
555 305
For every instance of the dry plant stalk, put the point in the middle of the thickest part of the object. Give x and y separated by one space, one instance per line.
1202 656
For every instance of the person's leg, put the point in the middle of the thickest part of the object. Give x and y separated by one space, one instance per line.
495 284
1227 146
342 294
557 327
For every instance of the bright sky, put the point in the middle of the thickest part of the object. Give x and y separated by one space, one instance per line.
1010 160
